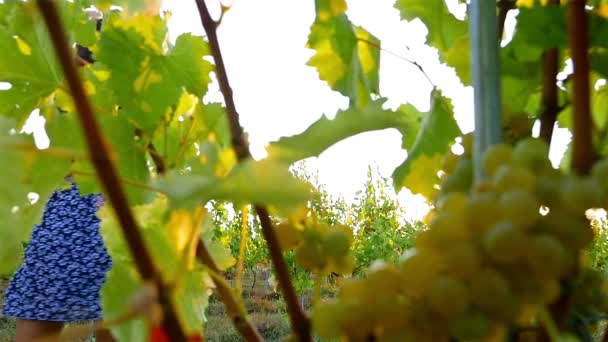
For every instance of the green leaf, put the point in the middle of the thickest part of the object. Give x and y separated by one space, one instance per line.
187 66
77 23
193 122
122 282
262 182
546 27
438 131
220 254
542 26
27 170
459 57
149 216
147 82
599 62
444 30
27 62
347 57
192 300
600 107
128 156
324 133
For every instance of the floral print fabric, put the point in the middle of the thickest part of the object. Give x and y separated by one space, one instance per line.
65 263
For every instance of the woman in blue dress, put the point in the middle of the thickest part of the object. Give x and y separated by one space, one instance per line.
65 264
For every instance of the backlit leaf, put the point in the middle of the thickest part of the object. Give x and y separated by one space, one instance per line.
439 128
263 182
324 133
444 30
26 170
148 81
27 62
347 57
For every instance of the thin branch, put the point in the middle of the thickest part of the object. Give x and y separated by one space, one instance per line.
578 38
236 311
549 96
157 159
122 180
57 152
299 321
242 249
106 170
394 54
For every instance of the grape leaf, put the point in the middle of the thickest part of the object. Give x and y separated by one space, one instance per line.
186 63
192 300
26 170
542 26
458 56
122 282
147 83
347 57
444 30
28 62
325 132
128 156
546 27
77 23
439 128
263 182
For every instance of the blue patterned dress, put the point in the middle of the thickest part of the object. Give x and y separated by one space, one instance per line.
65 263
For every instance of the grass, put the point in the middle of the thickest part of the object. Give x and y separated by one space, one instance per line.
266 312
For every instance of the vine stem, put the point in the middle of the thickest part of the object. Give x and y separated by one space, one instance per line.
299 321
485 71
550 110
549 95
578 39
235 310
106 170
242 249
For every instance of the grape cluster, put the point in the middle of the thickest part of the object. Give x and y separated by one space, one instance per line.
319 248
495 253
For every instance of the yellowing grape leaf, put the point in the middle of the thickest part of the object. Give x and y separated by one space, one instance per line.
347 57
420 179
438 131
324 133
148 82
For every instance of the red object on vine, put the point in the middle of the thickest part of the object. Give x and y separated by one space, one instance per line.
158 334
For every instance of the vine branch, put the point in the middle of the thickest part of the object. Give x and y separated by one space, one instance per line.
157 159
549 95
299 321
578 39
106 170
236 312
412 62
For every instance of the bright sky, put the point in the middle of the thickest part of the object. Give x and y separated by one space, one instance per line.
263 43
